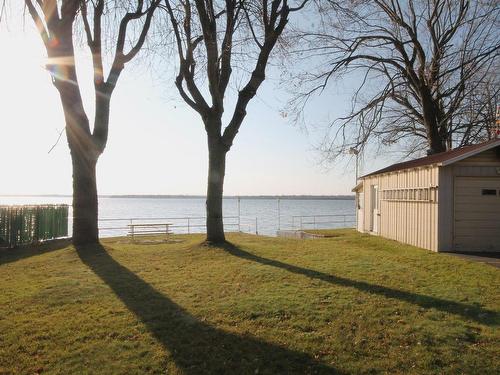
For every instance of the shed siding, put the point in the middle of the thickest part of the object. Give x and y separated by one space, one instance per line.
485 158
433 224
406 220
476 223
446 211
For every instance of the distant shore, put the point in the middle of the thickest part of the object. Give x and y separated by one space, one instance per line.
163 196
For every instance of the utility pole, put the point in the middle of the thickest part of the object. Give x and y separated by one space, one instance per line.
355 152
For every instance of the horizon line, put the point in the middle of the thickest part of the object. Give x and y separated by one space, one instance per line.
188 196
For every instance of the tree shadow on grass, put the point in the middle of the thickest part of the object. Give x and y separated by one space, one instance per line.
196 347
473 312
10 255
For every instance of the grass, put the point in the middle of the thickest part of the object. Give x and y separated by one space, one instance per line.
349 303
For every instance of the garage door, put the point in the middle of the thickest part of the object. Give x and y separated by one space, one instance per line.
477 214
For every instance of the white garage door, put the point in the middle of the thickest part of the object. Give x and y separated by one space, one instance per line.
477 214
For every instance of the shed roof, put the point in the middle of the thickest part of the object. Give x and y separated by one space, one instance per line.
440 159
358 187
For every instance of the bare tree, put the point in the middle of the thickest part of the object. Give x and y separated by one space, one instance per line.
55 21
213 35
475 120
420 66
2 9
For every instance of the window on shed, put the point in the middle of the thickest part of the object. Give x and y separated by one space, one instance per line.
426 194
489 192
422 194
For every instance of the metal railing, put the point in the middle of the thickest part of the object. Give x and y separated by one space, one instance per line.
323 221
113 227
179 225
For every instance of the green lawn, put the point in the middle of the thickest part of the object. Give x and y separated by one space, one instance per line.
349 303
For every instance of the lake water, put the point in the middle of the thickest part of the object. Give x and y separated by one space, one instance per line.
187 214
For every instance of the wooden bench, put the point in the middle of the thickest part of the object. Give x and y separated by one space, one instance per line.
152 229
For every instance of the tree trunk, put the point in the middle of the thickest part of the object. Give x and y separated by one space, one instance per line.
216 172
430 116
84 156
436 143
85 228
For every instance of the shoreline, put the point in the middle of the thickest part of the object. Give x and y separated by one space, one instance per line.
174 196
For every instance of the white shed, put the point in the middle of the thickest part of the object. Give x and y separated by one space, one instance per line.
444 202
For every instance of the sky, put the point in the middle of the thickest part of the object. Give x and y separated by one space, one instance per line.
157 144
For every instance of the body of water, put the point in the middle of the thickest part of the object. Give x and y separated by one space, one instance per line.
246 214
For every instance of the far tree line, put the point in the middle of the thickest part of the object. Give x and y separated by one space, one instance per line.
426 72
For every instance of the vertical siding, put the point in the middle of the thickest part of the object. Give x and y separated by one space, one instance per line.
446 217
485 165
409 221
367 208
